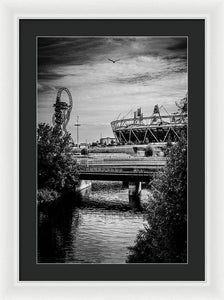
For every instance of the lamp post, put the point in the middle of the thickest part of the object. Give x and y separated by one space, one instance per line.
77 126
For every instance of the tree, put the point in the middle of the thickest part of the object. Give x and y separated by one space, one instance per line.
84 151
57 170
164 239
148 151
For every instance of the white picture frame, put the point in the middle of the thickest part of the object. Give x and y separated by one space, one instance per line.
213 12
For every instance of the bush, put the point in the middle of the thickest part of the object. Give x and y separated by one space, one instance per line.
57 170
84 151
164 239
148 151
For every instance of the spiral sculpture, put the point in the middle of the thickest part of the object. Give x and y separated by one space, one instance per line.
62 110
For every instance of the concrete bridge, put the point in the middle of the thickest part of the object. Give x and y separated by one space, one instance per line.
131 170
121 169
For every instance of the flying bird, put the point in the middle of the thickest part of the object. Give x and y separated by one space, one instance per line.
113 61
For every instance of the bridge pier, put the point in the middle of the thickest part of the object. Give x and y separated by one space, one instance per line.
134 194
134 188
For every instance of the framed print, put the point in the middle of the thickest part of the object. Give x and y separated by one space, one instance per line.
21 276
112 149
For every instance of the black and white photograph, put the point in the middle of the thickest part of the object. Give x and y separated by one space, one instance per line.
112 149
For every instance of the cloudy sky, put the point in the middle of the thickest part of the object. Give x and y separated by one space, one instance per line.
151 70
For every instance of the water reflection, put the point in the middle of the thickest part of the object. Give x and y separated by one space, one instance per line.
95 227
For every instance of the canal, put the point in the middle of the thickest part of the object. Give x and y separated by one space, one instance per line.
98 226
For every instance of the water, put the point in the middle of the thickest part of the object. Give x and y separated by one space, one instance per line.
96 227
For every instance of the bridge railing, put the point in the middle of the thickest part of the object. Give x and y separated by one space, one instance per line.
121 161
121 167
119 170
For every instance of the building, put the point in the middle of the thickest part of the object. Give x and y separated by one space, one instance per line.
83 145
107 141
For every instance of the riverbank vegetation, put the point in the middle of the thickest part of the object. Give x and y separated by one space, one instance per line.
57 169
164 239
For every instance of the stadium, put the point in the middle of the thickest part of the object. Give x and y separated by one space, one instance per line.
160 127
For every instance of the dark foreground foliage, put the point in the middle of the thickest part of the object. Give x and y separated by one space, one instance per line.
164 240
47 197
57 170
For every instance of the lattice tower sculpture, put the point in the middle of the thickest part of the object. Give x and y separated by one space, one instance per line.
62 110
